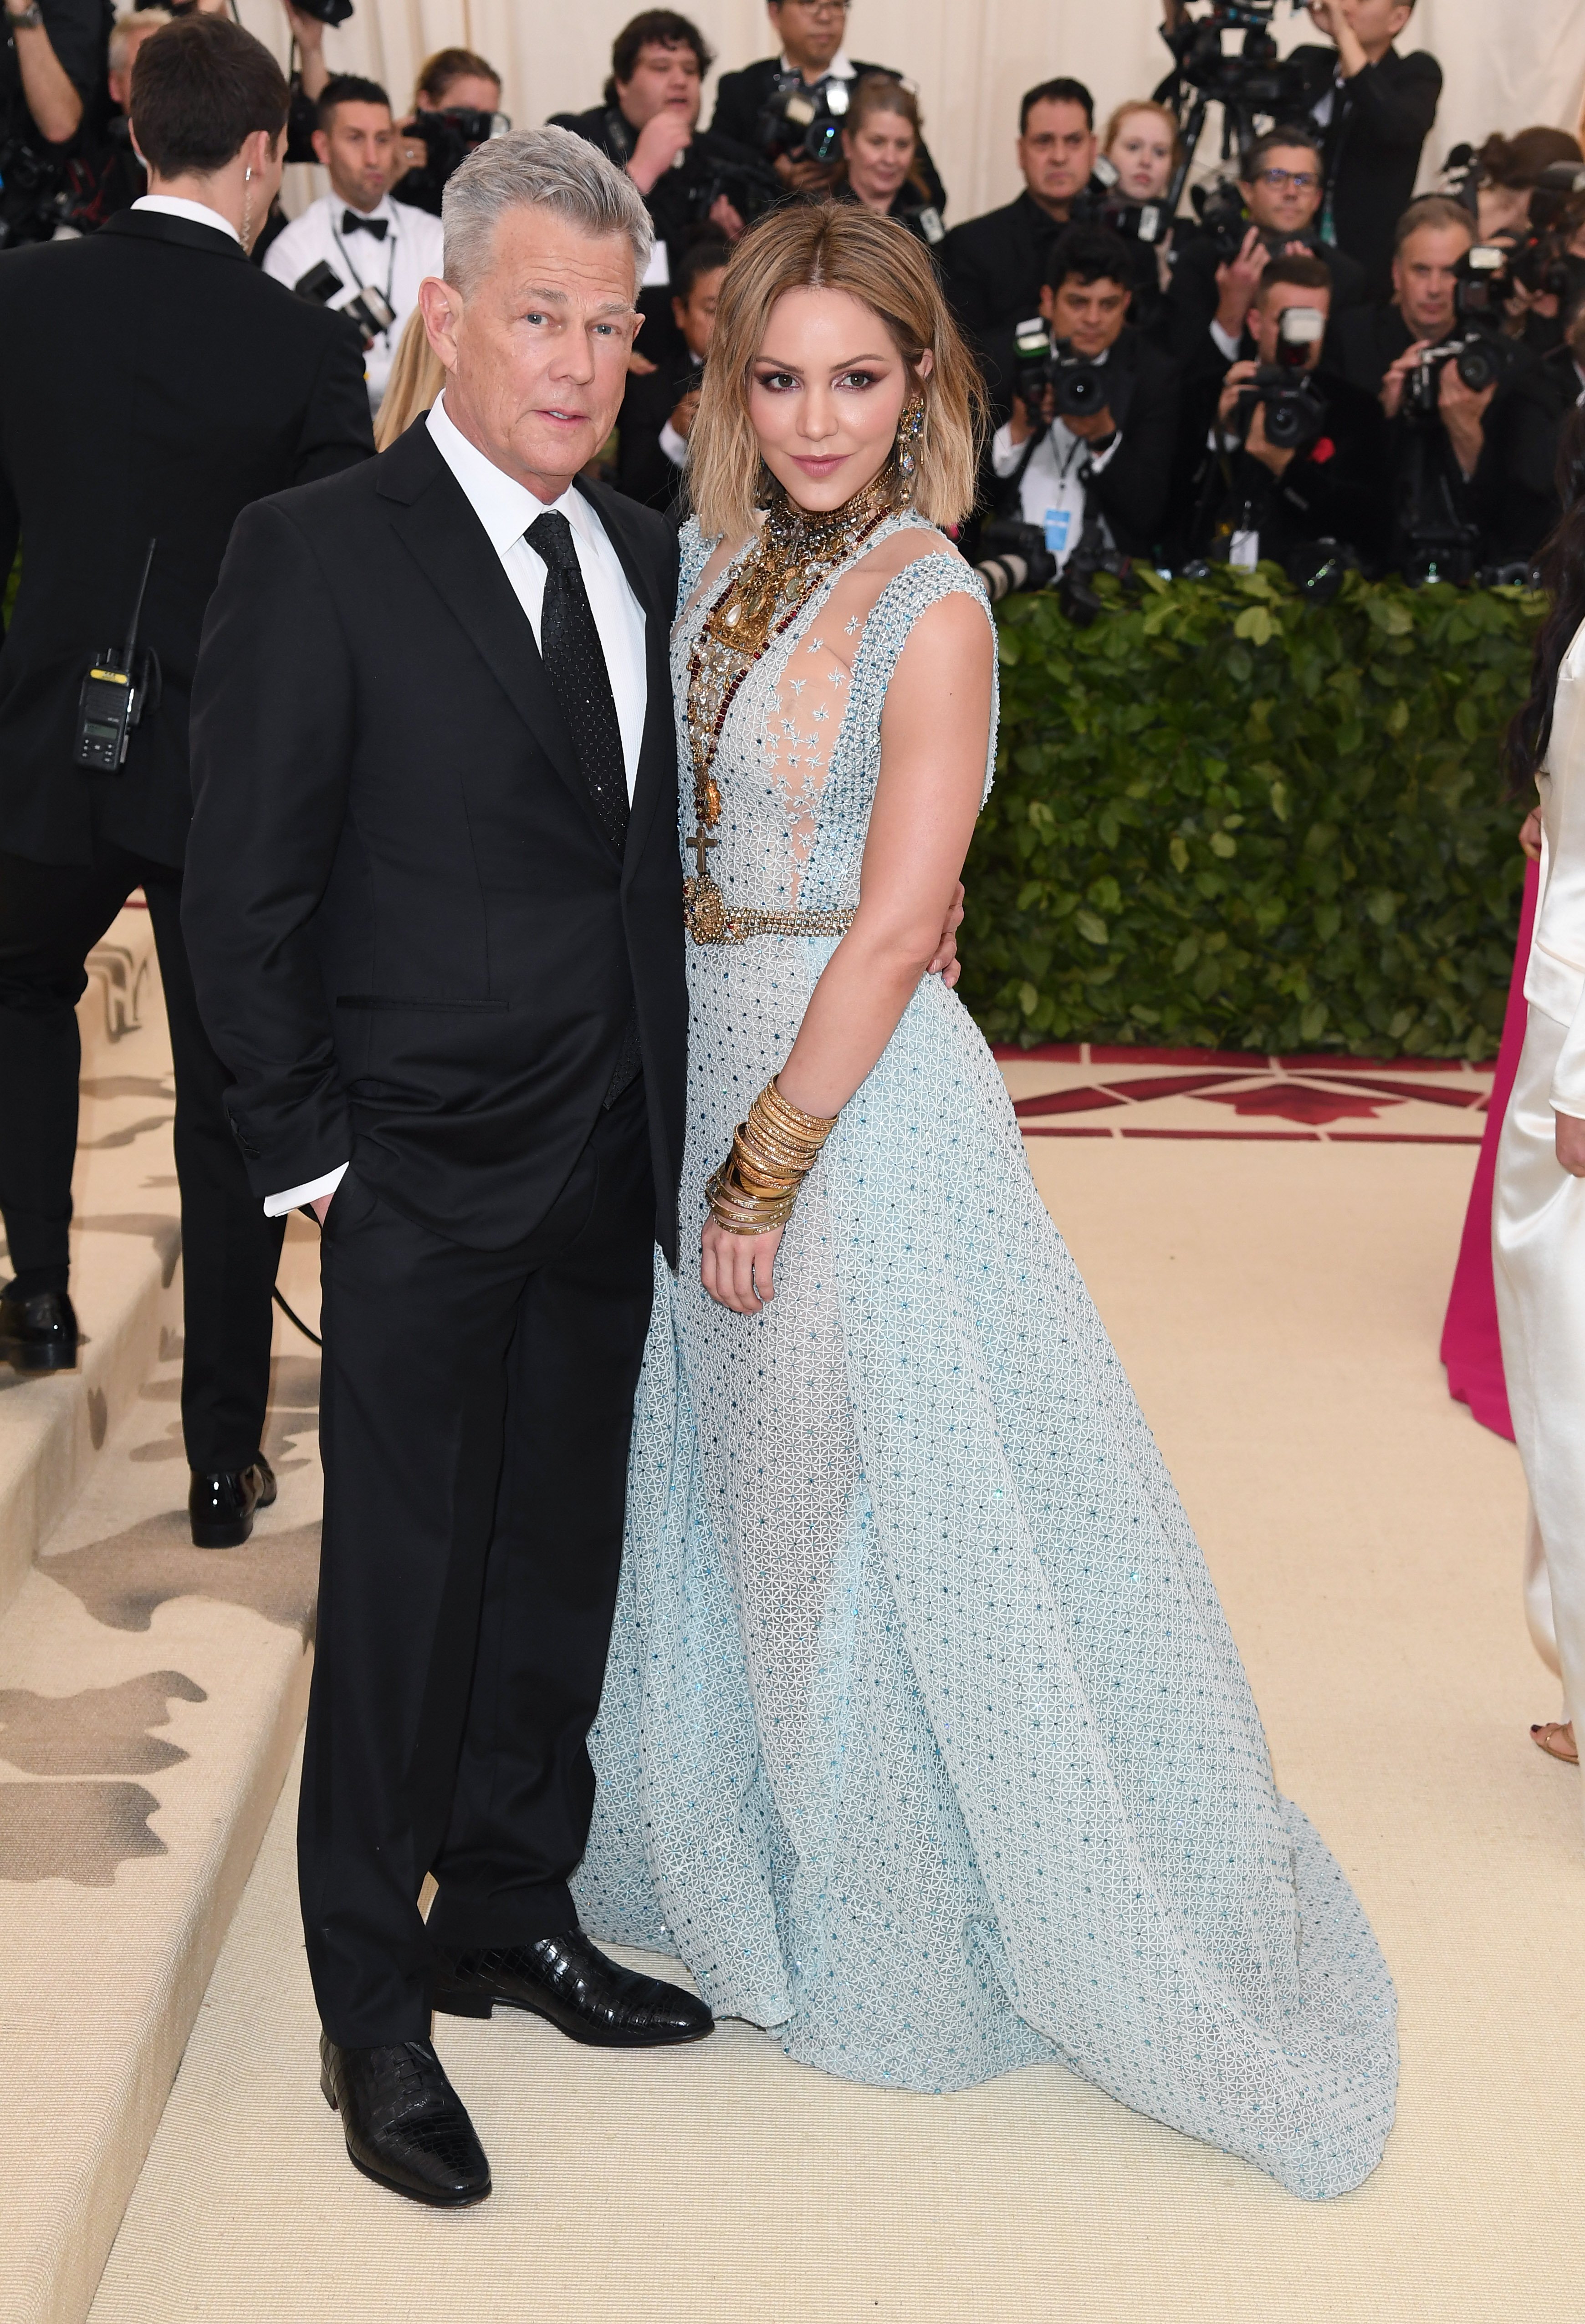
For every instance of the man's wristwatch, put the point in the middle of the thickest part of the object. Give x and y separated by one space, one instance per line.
28 19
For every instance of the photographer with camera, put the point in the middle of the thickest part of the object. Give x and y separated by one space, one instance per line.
660 407
1374 109
456 107
1086 456
1270 211
105 172
355 238
1296 465
1430 241
882 140
994 266
152 383
51 63
648 124
791 108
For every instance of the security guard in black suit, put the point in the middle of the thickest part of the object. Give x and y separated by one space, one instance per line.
151 384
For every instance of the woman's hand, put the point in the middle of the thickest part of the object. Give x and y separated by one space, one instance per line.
1530 835
1571 1143
738 1270
946 963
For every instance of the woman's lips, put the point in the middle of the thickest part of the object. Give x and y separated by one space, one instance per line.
821 466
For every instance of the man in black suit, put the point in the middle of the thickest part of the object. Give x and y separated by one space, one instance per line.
151 384
1109 469
660 407
995 266
1432 236
813 62
1374 111
1281 177
435 912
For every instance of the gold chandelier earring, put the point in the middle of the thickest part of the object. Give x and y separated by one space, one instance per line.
909 429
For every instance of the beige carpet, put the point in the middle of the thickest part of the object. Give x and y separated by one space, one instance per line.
1278 1306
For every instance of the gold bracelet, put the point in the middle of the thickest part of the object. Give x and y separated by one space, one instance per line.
773 1152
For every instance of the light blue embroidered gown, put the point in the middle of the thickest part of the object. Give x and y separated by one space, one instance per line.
925 1742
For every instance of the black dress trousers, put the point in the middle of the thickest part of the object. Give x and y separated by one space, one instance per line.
476 1416
51 916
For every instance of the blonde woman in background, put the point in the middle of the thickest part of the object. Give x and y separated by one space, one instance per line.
883 138
924 1738
417 377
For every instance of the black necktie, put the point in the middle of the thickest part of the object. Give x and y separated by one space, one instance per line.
574 664
353 222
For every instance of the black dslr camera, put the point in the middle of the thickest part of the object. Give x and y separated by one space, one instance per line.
1103 204
1014 557
1482 355
448 137
803 124
366 308
1295 411
1077 386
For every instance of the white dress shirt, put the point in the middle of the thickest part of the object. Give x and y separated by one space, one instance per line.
506 509
1051 495
394 267
195 213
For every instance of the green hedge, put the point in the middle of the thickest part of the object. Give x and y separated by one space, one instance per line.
1225 817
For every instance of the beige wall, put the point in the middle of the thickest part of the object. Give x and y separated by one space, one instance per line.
1509 62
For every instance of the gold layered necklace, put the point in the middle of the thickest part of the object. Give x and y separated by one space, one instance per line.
797 551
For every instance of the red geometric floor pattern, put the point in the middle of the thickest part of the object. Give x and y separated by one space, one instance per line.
1088 1089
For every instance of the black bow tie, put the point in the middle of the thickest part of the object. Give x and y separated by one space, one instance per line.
353 222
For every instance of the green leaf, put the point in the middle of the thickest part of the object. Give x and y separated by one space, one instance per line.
1256 623
1178 850
1028 998
1091 925
1223 843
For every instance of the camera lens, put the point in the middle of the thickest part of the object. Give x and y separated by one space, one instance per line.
1477 366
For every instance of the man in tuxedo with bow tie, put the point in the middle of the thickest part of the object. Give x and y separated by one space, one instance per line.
435 914
367 240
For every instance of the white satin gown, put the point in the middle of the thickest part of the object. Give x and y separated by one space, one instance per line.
1538 1214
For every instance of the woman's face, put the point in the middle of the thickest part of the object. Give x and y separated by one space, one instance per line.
880 155
825 393
1142 155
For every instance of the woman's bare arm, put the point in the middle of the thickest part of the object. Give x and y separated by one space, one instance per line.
935 732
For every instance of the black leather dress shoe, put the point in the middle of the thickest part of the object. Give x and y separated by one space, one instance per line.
566 1979
221 1506
38 1334
406 2127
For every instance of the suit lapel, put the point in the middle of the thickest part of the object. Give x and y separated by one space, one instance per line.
657 777
447 542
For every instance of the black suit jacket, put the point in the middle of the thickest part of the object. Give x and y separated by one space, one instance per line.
1380 121
741 96
1364 343
643 470
151 384
1192 298
995 269
412 942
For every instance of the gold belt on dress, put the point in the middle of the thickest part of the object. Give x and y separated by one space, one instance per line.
711 920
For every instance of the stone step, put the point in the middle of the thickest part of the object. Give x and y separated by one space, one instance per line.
127 1242
150 1694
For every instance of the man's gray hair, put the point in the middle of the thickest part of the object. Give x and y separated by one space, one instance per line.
539 169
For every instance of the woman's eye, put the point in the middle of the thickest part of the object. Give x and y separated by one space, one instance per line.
778 381
857 379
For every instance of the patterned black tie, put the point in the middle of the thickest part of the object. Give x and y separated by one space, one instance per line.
575 663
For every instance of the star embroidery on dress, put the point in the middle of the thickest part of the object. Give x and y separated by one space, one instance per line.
813 646
821 710
798 684
853 627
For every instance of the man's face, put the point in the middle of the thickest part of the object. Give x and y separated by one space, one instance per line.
1273 304
664 80
809 32
537 352
119 79
1090 316
470 93
1425 275
696 315
1056 153
1285 192
1375 23
359 151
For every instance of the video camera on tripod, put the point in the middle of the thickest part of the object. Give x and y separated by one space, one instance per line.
1248 84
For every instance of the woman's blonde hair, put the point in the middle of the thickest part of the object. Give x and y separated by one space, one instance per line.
1163 113
885 93
417 377
834 246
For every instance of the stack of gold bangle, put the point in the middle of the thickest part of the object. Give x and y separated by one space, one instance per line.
772 1153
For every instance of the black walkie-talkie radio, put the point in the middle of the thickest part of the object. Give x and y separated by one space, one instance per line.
115 695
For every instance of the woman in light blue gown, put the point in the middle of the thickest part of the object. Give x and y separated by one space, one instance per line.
925 1742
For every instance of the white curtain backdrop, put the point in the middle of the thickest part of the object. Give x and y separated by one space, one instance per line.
1507 63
